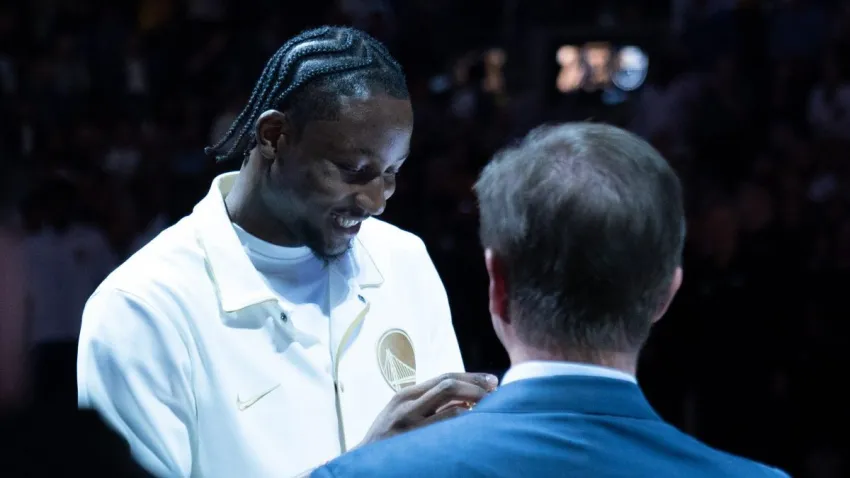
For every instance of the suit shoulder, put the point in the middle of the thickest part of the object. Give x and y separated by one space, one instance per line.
726 463
754 469
750 468
435 453
466 445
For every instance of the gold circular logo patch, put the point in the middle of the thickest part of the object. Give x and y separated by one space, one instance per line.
396 359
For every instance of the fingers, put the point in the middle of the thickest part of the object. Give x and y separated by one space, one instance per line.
455 403
445 413
482 380
447 391
434 400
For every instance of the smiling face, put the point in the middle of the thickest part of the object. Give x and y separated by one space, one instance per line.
330 177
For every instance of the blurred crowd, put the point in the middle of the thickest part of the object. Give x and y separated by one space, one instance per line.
106 108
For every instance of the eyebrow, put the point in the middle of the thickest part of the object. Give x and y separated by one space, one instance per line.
346 150
365 152
368 152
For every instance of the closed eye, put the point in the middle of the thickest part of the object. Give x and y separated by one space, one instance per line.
349 169
364 171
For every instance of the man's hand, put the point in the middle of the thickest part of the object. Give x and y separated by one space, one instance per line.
437 399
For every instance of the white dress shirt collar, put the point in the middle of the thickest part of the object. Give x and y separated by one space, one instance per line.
537 369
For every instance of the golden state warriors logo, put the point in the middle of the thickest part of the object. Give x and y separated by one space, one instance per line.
396 359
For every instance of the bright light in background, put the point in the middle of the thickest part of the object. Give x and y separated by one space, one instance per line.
632 66
494 75
572 69
598 59
598 65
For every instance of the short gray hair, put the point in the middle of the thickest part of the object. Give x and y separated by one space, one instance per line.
588 220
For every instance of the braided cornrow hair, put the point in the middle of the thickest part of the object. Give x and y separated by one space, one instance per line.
306 77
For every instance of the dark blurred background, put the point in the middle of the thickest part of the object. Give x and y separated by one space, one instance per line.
105 107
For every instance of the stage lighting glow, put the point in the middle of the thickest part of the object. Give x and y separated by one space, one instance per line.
598 65
632 66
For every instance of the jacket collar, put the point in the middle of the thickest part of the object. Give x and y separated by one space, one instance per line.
236 280
570 393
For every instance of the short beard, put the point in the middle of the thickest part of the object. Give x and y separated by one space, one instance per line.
313 239
328 259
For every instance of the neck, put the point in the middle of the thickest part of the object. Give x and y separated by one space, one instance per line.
622 361
246 208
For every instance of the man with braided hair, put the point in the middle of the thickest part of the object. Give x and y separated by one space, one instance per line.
281 324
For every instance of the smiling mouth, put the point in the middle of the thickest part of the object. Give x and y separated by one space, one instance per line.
346 222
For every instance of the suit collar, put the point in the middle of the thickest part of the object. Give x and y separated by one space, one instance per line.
236 280
572 394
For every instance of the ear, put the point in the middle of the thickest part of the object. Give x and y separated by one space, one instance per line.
498 291
272 132
671 292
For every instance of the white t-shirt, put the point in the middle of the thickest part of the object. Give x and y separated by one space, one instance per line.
296 275
215 362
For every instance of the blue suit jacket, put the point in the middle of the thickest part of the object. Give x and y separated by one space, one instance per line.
572 426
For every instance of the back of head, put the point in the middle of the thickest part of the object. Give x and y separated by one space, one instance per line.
587 221
307 77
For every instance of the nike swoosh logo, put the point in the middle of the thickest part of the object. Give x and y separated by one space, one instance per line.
246 404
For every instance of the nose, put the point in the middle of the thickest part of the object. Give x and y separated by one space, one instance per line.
372 196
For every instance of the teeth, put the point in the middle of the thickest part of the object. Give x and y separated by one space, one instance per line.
344 222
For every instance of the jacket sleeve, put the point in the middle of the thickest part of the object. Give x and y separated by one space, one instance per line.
134 368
